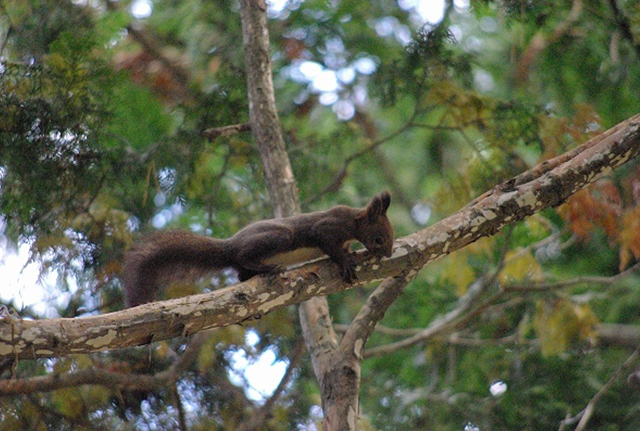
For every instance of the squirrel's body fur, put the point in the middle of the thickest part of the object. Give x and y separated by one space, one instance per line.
260 248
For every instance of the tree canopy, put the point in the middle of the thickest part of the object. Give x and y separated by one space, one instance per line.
118 119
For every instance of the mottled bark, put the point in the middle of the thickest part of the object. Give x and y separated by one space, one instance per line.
337 365
263 113
251 299
265 125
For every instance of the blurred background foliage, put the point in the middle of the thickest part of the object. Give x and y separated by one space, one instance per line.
103 112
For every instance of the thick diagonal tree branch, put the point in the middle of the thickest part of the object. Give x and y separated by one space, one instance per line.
28 339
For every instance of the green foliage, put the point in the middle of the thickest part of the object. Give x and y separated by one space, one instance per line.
49 140
151 123
429 61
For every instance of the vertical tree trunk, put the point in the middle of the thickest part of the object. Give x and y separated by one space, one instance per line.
263 114
340 385
339 378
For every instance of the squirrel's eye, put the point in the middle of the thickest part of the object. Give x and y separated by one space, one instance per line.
378 240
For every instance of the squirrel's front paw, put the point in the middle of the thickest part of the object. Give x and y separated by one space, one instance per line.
349 274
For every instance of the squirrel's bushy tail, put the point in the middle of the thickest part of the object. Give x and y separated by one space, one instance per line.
169 256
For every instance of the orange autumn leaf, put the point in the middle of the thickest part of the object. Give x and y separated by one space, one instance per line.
630 236
598 206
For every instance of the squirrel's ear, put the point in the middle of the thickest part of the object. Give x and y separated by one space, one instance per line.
379 205
385 197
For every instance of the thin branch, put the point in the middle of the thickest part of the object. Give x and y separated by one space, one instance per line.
177 402
371 313
543 243
618 334
474 293
478 151
444 323
625 27
215 132
101 376
259 417
456 340
585 415
341 173
384 330
539 287
149 44
442 128
466 312
88 376
386 293
390 173
540 41
7 35
217 181
564 422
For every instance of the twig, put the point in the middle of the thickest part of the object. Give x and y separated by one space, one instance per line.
475 342
149 44
385 330
625 28
257 420
455 316
341 173
215 132
467 311
563 424
453 339
537 287
540 41
217 181
449 321
542 243
390 174
585 414
101 376
182 420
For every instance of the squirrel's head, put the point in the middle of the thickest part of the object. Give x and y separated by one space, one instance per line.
374 229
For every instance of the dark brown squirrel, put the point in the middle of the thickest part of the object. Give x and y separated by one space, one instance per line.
263 247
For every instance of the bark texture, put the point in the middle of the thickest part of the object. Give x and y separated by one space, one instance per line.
265 125
263 113
251 299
